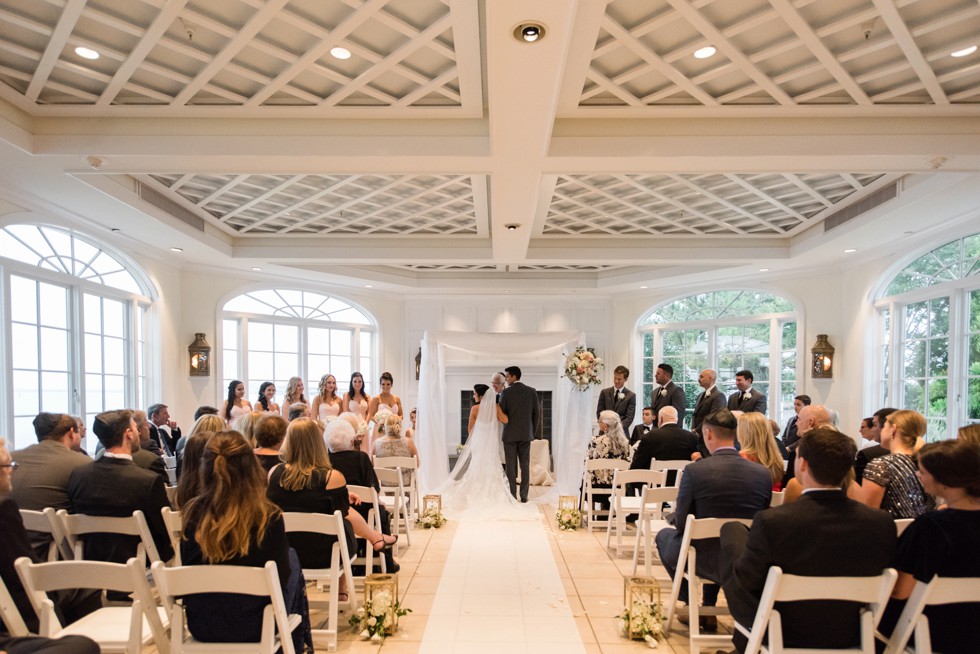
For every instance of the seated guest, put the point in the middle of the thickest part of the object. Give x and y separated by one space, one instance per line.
969 433
163 430
231 522
148 454
298 410
209 423
205 410
115 486
270 431
412 416
392 443
759 445
245 425
706 491
668 442
816 536
189 484
790 434
944 542
70 604
645 427
867 454
890 482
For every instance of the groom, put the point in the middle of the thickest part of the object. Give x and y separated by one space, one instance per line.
519 404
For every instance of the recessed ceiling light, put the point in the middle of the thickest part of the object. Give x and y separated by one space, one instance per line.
964 52
763 270
529 32
256 269
705 52
850 251
512 227
176 249
86 53
369 286
643 287
340 53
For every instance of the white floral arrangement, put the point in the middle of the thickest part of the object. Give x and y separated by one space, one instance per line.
569 519
646 621
362 429
431 519
373 620
582 368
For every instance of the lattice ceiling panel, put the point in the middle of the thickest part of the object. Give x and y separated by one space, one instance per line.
441 205
685 205
234 53
784 53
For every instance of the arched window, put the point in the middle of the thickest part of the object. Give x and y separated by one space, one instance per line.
76 330
728 331
275 334
928 337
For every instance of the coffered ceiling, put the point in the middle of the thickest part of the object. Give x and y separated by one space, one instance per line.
446 152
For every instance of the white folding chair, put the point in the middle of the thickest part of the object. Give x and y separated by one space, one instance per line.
901 524
781 587
697 529
175 529
9 613
175 583
115 628
912 622
675 464
590 494
651 521
777 498
47 522
370 496
394 496
621 504
171 496
340 566
405 463
79 525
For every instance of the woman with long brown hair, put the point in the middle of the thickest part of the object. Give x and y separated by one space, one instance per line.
231 522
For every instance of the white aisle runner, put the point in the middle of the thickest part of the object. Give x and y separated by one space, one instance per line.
500 586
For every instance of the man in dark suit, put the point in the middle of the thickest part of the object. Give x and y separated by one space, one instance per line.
723 485
148 456
618 398
669 442
668 393
869 454
644 427
791 433
746 398
835 527
115 486
163 430
519 405
710 400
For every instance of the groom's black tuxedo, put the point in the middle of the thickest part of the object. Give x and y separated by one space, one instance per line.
520 404
626 407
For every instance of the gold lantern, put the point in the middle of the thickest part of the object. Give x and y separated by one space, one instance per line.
199 356
381 598
822 363
567 502
644 618
432 504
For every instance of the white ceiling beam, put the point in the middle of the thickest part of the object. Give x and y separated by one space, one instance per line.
52 52
904 39
170 12
585 32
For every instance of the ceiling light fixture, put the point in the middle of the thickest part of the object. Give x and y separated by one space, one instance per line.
850 251
705 52
176 249
964 52
340 53
256 269
86 53
643 287
529 32
369 286
763 270
512 227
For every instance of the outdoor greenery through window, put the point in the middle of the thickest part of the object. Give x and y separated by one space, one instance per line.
930 311
727 331
75 334
275 334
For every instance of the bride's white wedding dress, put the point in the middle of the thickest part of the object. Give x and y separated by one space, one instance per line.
477 486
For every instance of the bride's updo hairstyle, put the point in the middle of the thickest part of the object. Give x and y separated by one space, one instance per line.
393 426
480 389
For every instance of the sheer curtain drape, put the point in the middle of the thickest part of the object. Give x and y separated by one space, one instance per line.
571 412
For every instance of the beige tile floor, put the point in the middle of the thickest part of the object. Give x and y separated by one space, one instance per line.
512 604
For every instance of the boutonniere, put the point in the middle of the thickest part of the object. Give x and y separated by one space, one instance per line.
748 395
620 395
663 392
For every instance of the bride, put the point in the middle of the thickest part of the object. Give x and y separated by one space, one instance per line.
477 485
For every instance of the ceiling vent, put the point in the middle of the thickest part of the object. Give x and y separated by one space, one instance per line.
164 203
848 213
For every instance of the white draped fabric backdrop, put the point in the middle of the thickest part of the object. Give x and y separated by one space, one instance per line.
572 409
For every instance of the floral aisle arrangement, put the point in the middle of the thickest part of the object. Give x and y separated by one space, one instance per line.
583 367
569 519
432 518
378 617
643 618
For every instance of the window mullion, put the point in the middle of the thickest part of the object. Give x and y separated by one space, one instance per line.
956 356
76 350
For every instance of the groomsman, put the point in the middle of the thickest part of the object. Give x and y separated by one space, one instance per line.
618 398
746 398
668 393
644 427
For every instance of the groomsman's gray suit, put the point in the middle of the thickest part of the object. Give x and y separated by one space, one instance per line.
520 404
626 407
670 394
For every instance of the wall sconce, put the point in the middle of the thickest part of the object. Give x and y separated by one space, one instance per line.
822 358
418 364
199 356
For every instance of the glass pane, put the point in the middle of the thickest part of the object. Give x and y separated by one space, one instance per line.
115 356
54 306
23 299
54 349
24 338
915 359
93 353
937 391
340 368
647 344
114 321
230 365
938 357
318 340
115 392
94 402
229 333
973 409
260 335
915 395
54 392
789 336
23 432
318 365
287 365
287 338
27 399
340 341
92 308
260 365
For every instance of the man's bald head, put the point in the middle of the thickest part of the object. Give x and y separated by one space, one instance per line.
815 415
707 378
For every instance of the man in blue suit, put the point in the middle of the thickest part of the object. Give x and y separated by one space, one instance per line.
723 485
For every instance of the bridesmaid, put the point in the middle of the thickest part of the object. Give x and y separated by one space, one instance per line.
384 400
267 392
355 400
327 404
235 405
294 394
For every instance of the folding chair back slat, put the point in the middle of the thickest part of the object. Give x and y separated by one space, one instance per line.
914 624
175 529
78 525
589 493
10 614
48 522
369 496
621 503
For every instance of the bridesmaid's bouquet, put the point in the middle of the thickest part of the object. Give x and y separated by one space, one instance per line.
582 367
